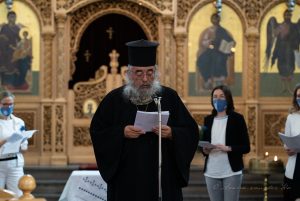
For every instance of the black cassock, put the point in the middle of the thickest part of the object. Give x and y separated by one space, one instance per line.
130 166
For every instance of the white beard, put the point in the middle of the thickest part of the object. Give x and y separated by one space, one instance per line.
141 96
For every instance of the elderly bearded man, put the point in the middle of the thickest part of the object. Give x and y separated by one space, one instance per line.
127 157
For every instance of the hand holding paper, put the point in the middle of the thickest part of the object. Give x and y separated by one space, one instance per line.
206 144
292 142
28 134
14 138
13 143
147 120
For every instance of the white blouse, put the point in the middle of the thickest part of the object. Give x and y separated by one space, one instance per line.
292 128
218 165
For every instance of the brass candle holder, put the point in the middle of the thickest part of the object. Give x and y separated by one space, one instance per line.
265 167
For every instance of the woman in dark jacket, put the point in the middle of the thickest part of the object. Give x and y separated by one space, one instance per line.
227 131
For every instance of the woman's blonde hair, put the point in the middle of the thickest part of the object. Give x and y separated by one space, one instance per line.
4 94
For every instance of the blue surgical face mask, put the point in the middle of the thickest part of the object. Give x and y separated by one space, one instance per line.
7 111
220 104
298 101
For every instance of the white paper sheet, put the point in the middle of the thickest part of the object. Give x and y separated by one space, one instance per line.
28 134
147 120
292 142
13 143
206 144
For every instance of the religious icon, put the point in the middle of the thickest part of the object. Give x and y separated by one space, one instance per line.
282 48
89 107
15 52
215 56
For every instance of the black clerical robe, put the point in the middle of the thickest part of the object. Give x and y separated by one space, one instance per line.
130 166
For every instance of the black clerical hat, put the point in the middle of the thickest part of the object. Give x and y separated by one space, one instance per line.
142 53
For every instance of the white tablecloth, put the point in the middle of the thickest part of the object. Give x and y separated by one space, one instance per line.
84 186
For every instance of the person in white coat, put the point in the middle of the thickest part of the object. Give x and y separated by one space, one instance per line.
291 181
11 165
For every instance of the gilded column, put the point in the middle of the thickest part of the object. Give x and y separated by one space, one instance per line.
61 86
47 36
47 93
180 62
253 63
252 84
169 73
59 125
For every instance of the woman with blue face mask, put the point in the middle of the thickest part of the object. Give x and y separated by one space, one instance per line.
227 131
292 170
11 165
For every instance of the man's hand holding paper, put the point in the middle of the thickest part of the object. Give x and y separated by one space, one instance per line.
132 132
147 121
166 131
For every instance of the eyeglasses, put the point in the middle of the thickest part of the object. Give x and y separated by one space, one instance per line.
141 73
7 104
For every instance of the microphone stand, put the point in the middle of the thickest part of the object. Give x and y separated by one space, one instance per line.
157 102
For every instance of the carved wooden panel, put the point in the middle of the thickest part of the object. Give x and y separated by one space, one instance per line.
63 4
59 129
199 118
254 9
82 137
45 9
252 126
252 65
47 75
47 120
61 56
161 5
164 5
180 63
273 123
29 119
168 62
183 9
95 90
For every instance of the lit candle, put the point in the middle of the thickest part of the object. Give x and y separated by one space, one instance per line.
275 158
266 154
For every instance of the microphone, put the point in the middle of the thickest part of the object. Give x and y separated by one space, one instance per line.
155 98
157 102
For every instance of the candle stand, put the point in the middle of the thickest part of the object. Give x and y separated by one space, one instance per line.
265 168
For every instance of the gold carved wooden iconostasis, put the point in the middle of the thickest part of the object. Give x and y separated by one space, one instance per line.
62 114
260 90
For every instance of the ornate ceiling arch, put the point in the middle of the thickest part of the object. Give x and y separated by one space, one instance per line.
43 9
271 5
82 17
155 5
232 5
